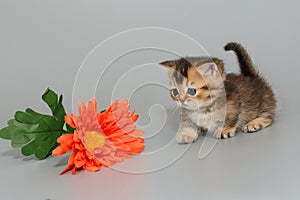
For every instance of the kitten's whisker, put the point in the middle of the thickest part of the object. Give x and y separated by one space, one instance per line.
174 108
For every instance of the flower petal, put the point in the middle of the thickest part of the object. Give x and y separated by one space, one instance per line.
137 133
69 119
66 143
79 159
68 168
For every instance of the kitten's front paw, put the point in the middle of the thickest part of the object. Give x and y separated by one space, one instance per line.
187 136
223 133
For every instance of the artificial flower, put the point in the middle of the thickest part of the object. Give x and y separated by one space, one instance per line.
100 139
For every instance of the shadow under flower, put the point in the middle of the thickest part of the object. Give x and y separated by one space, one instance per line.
62 162
16 154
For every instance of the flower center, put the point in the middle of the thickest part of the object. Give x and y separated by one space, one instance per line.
93 140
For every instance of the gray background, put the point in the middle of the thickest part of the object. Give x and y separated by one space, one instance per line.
43 43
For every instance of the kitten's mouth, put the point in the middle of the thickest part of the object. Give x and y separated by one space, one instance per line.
184 104
180 103
189 107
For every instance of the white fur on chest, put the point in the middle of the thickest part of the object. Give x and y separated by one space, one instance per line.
201 119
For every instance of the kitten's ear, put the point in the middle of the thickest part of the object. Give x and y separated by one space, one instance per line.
209 69
168 64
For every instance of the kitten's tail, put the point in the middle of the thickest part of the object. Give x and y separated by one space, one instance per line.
246 65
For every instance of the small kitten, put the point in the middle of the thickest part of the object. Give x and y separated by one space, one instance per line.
224 102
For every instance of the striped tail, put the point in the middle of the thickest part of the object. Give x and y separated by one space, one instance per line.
246 65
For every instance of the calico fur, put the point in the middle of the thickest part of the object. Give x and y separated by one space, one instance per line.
222 103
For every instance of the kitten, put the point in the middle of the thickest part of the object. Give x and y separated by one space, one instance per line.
224 102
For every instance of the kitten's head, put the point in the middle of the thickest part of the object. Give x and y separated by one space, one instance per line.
195 81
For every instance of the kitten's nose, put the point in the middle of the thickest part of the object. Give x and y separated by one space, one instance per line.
182 101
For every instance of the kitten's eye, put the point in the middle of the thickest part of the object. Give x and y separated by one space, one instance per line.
192 91
175 92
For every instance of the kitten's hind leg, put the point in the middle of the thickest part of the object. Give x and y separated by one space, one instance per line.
257 124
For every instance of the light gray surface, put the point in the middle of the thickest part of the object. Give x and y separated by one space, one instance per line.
43 43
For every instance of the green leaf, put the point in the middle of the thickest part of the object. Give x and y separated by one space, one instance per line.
70 129
18 139
55 104
41 146
37 133
4 133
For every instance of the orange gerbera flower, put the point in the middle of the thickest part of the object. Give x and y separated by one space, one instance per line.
100 139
